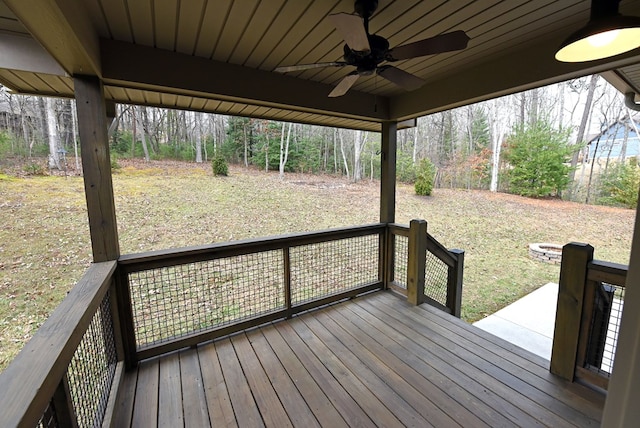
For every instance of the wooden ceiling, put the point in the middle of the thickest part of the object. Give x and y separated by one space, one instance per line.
219 56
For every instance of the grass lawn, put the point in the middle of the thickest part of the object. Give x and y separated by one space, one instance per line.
45 247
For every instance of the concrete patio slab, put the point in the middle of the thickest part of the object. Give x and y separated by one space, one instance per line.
529 322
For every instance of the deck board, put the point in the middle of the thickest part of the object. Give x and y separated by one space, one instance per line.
370 361
170 393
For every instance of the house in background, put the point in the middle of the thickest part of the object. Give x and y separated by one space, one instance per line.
221 57
619 140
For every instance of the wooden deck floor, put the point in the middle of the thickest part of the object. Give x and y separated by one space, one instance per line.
371 361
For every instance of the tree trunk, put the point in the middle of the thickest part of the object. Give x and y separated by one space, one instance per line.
581 131
359 140
198 130
284 149
344 157
415 144
335 150
74 125
52 134
246 148
593 161
495 162
143 137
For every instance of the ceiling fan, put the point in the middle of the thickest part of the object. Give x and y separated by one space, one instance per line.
367 52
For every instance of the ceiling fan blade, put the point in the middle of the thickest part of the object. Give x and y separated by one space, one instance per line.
447 42
400 77
344 85
301 67
351 28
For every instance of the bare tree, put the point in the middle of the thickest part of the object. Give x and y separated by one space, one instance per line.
581 131
52 133
284 148
359 140
143 132
344 157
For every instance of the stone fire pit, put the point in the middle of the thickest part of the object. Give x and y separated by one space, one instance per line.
548 253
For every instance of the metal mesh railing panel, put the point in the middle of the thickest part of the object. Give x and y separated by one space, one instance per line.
48 419
172 302
326 268
605 327
436 279
92 368
401 254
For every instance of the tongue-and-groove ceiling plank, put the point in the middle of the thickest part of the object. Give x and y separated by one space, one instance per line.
168 45
166 14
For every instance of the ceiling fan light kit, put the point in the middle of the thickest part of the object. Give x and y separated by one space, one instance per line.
606 34
368 52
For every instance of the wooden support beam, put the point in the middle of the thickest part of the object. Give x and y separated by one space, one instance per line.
573 277
416 261
388 173
64 30
388 197
137 66
96 165
621 408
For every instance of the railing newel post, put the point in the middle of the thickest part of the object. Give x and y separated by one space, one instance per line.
387 256
454 283
65 415
286 253
416 261
125 316
573 278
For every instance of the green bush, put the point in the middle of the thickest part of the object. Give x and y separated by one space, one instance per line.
114 162
405 169
536 158
619 185
34 168
425 177
219 166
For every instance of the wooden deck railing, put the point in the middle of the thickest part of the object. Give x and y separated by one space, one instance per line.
423 269
64 374
238 285
590 303
148 304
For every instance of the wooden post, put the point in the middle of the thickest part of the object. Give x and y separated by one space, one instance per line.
65 415
388 173
573 277
416 261
96 165
92 114
286 255
454 283
125 315
388 197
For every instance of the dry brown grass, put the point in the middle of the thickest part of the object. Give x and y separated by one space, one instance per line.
45 248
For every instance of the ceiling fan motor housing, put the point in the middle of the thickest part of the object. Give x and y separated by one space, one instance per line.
366 62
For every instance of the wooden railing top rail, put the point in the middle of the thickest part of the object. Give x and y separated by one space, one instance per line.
611 273
172 257
399 229
30 381
433 245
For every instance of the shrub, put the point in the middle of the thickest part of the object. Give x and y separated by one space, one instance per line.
619 185
405 169
34 168
114 163
537 159
425 176
219 166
